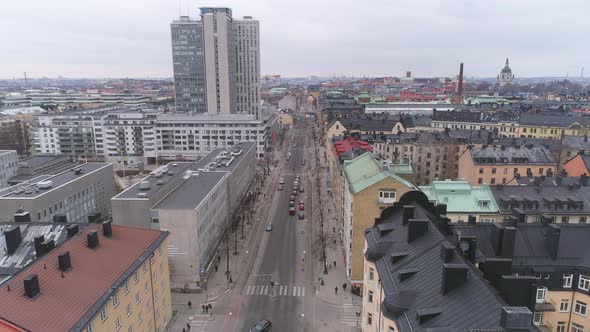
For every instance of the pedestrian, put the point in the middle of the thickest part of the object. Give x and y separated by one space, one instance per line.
206 309
344 286
203 307
334 263
336 290
190 305
210 307
183 329
188 326
219 258
216 267
334 229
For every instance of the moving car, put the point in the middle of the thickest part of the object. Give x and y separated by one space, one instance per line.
268 227
280 187
291 203
262 326
301 206
294 192
301 215
292 210
281 181
300 189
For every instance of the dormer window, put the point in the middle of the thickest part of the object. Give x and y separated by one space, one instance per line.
484 204
387 196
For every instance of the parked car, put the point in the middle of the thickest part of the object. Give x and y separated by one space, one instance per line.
301 215
292 198
280 187
301 189
262 326
301 206
291 203
292 210
303 162
281 181
268 227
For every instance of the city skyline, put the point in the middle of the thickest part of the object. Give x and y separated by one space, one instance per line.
429 38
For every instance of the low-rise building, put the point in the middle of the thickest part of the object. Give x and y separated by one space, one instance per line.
465 203
369 186
78 195
416 278
8 166
195 202
285 120
99 278
40 164
500 165
578 165
364 125
553 125
505 123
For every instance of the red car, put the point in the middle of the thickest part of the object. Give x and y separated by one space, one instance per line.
301 205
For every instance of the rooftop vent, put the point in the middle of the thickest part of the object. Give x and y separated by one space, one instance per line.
406 273
13 239
409 211
72 230
397 256
64 262
44 184
107 229
60 218
32 289
427 313
516 318
22 216
92 239
144 185
454 275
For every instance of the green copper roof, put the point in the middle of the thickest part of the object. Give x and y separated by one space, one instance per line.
460 196
364 171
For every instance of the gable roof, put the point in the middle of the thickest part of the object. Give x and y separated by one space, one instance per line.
69 302
364 171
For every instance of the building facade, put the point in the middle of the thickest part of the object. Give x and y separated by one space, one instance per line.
78 195
8 166
247 41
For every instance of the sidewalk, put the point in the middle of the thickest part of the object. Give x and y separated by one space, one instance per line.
218 285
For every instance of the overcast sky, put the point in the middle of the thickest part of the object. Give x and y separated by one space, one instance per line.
131 38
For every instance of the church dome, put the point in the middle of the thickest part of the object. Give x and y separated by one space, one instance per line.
506 69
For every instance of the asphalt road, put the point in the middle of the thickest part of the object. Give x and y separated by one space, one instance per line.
285 254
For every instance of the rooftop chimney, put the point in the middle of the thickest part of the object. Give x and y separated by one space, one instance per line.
441 209
48 245
507 242
516 319
584 180
460 86
446 251
39 248
65 264
107 229
13 239
409 211
72 230
494 268
92 239
454 275
471 219
468 245
552 236
60 218
32 286
417 228
22 216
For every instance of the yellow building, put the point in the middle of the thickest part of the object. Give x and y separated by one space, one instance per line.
369 126
285 120
369 186
553 126
109 278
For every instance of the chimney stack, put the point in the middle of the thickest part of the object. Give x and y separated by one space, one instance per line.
515 319
409 211
92 239
13 239
552 236
417 228
72 230
22 216
471 219
468 246
454 275
64 262
32 286
508 241
460 86
441 209
107 229
446 251
39 248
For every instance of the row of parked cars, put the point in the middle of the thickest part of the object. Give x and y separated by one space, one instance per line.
296 190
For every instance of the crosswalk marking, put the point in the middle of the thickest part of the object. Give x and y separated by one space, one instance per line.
266 290
348 314
198 322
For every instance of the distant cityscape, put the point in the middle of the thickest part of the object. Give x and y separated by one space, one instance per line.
221 199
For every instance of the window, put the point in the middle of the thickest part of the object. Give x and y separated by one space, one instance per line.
493 181
577 328
135 277
494 170
116 299
371 274
126 287
564 306
480 181
584 282
128 310
130 328
390 329
148 306
140 318
582 220
118 323
560 326
137 298
481 171
103 313
567 280
145 267
146 286
370 299
388 194
537 318
89 327
580 308
541 294
161 268
565 219
370 319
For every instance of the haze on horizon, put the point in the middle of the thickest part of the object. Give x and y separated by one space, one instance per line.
131 38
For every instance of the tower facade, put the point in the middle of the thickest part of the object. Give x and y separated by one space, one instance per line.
246 33
506 75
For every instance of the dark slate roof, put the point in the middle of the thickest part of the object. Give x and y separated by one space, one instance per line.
576 142
550 144
369 124
511 154
475 116
421 292
553 120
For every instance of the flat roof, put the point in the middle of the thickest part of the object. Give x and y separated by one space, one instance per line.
39 160
224 158
191 192
158 180
30 189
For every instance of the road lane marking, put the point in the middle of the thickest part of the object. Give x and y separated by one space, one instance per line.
265 289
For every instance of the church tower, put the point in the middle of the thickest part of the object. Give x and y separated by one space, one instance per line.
506 75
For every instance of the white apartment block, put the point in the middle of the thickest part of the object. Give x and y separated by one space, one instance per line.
8 166
129 137
247 40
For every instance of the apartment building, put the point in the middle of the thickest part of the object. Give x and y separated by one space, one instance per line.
571 146
195 202
368 187
417 279
216 63
78 195
64 99
128 137
464 202
578 165
85 284
499 165
553 125
374 126
505 123
8 166
545 200
14 134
